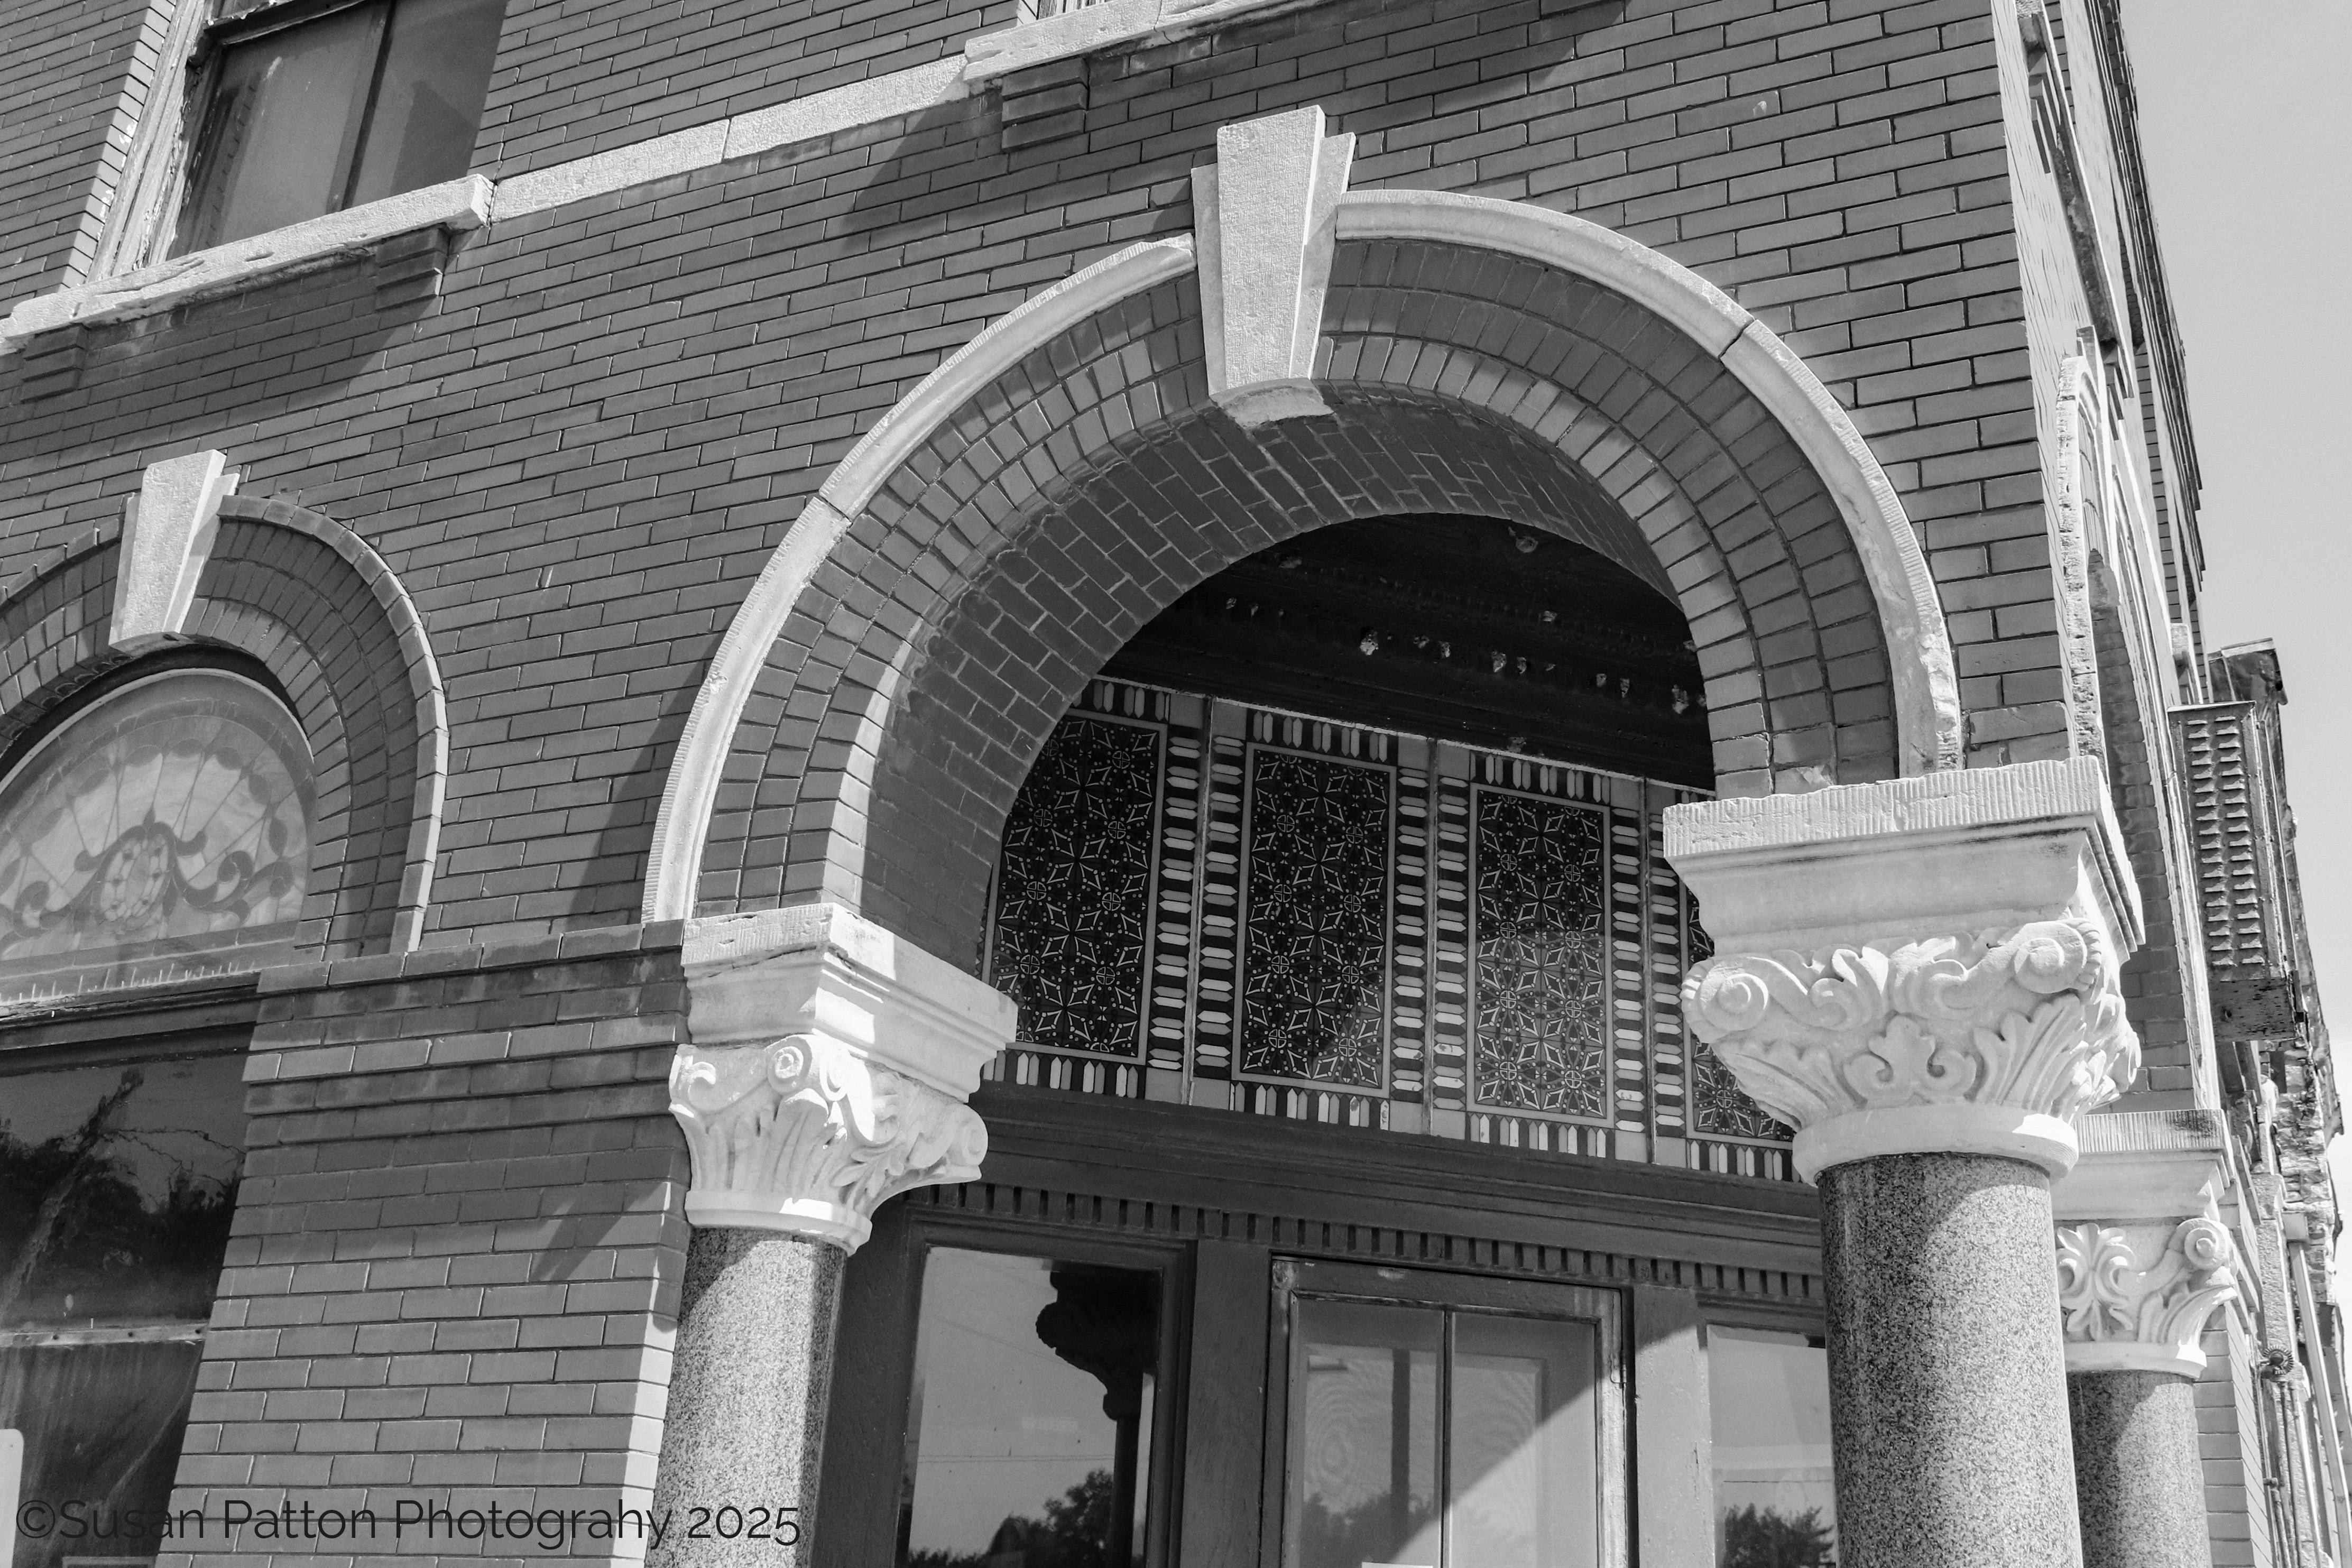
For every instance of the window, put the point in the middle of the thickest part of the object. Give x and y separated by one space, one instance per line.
164 831
1030 1432
1769 1394
1432 1421
118 1179
306 109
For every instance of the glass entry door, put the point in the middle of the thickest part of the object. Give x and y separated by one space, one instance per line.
1444 1421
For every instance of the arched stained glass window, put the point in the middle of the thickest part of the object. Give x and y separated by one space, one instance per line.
165 831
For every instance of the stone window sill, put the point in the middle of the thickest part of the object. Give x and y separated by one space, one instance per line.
463 204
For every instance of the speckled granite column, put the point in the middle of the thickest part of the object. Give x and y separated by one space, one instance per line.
2137 1479
748 1387
1947 1380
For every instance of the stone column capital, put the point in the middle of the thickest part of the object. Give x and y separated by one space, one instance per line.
2136 1298
1926 965
827 1068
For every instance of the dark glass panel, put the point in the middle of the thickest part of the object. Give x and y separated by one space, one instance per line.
102 1425
273 146
428 101
1029 1437
1775 1500
116 1188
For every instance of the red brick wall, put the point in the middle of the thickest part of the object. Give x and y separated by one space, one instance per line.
580 457
459 1240
65 64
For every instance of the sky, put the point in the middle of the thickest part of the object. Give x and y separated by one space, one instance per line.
2246 126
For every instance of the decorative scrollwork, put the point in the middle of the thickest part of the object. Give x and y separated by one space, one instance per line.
2031 1018
2150 1317
806 1135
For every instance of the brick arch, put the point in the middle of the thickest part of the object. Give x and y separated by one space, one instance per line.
1750 492
318 609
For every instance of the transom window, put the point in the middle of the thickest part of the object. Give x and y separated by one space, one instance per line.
164 831
306 109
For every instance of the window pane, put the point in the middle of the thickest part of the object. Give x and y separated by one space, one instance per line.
116 1187
1775 1506
1363 1445
428 105
1523 1463
271 147
1032 1413
103 1425
163 833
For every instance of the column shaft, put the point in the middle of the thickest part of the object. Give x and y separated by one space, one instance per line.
2140 1483
749 1385
1947 1374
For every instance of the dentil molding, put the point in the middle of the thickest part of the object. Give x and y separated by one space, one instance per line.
2136 1298
1924 965
828 1068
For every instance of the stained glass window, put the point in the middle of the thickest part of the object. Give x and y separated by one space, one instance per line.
1206 901
163 833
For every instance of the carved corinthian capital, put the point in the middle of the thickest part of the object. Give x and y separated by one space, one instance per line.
1991 1043
828 1069
1923 965
2136 1298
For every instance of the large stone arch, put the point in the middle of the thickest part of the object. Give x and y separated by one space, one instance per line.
315 606
1642 410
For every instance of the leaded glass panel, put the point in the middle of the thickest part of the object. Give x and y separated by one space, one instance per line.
165 832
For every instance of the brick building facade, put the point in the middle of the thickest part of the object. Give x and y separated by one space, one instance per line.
785 683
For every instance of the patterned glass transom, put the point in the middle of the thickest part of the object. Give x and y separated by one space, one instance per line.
164 833
1203 902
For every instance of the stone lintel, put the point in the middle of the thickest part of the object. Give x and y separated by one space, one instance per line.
827 1068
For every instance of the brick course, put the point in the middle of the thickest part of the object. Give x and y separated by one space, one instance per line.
459 1240
578 457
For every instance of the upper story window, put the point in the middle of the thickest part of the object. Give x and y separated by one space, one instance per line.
305 109
164 831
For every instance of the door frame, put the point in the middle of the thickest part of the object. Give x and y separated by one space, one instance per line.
1601 1306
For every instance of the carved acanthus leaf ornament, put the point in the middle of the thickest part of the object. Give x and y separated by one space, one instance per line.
808 1136
2120 1316
1991 1043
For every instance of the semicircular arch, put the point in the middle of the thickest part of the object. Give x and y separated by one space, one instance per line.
1749 494
312 603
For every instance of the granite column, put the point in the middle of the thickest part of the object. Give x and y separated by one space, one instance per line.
828 1069
2143 1263
1922 977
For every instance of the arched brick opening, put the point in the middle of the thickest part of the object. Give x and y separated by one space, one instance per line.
308 599
1484 359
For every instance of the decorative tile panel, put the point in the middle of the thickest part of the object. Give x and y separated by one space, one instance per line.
1252 911
1073 912
1315 920
1542 1021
